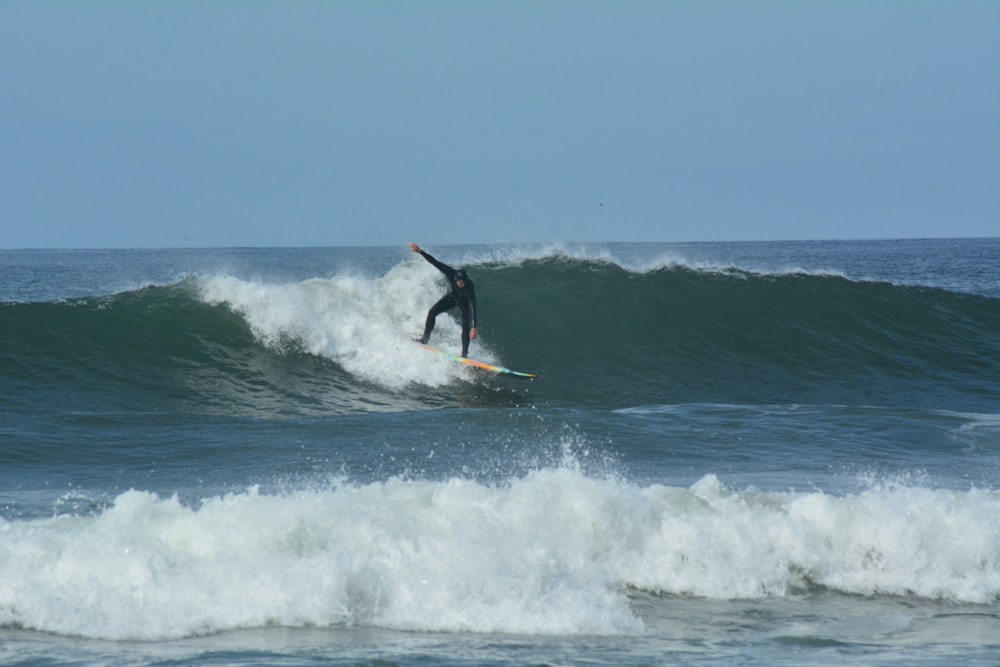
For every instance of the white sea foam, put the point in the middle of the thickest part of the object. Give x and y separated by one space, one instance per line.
553 552
367 325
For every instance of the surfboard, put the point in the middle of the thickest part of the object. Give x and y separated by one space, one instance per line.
482 365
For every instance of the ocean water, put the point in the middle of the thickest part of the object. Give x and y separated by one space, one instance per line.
747 453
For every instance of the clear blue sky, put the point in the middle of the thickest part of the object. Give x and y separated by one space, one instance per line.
251 123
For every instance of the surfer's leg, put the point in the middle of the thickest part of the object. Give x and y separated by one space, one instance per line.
443 304
465 342
466 325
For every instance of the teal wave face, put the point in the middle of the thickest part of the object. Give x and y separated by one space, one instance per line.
679 334
598 334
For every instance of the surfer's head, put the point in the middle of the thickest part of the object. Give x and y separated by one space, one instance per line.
461 277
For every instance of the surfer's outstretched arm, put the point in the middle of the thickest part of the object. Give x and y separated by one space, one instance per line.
441 266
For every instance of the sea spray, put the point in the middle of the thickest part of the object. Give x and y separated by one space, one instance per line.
365 325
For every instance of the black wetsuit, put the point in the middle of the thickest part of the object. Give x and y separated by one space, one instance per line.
460 297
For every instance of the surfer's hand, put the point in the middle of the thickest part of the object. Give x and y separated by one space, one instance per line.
414 247
473 334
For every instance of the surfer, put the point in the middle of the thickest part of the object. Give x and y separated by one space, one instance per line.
462 296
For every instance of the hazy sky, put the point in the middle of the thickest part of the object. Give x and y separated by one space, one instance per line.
249 123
